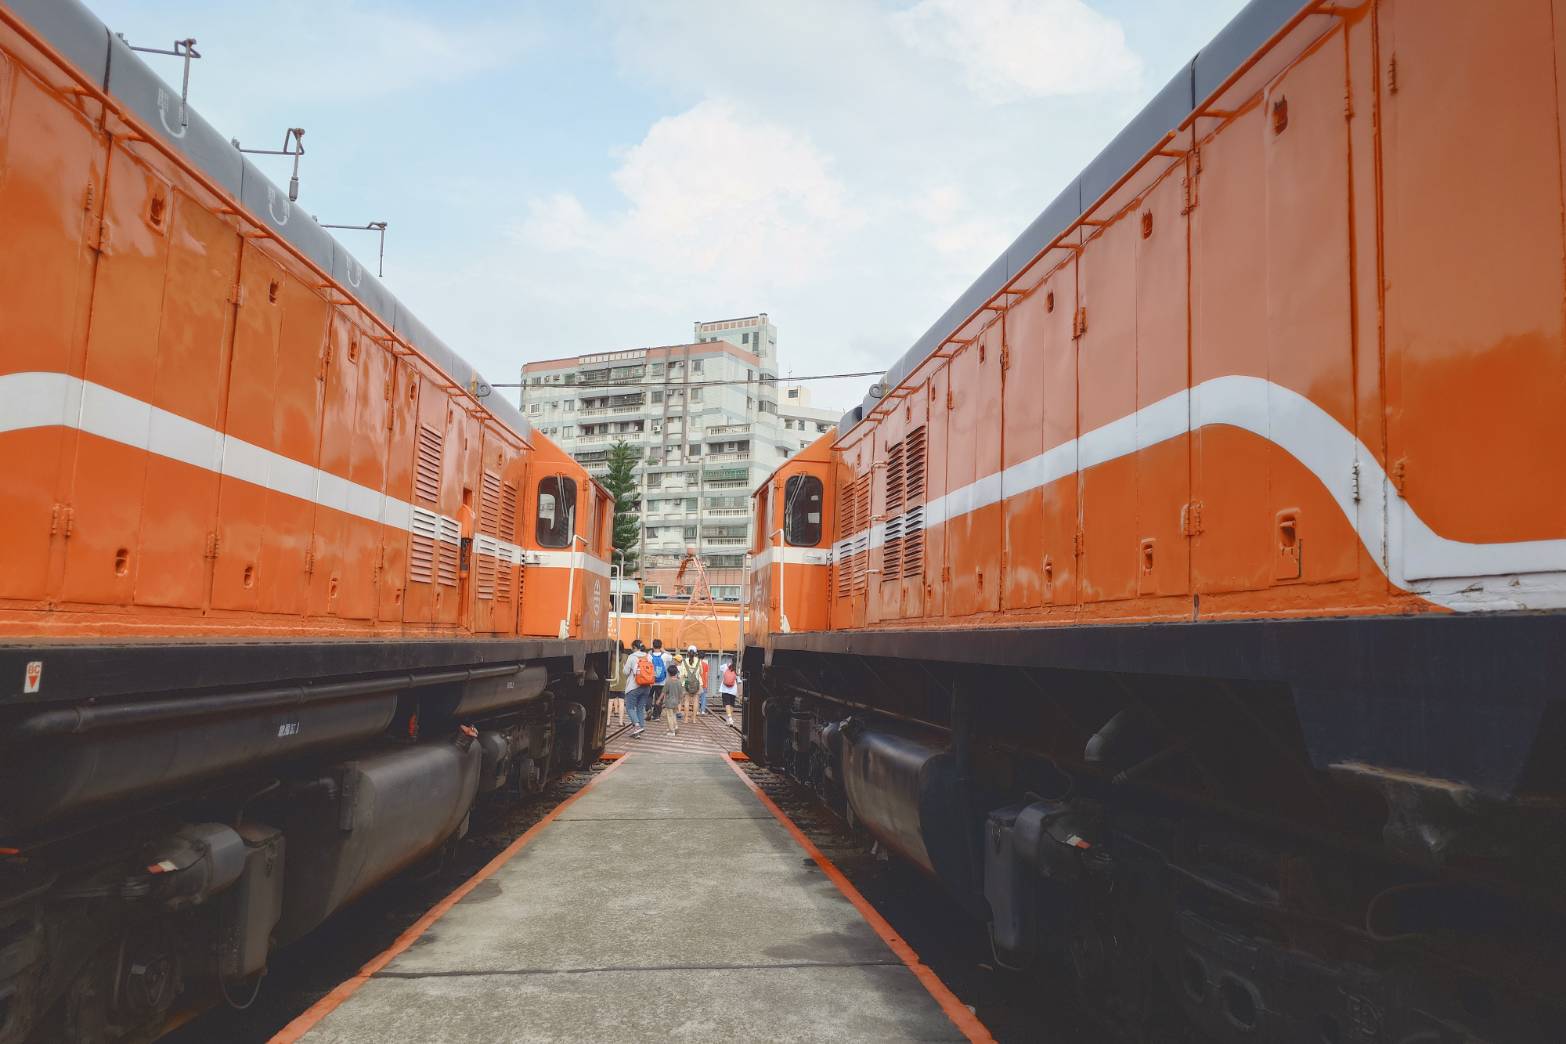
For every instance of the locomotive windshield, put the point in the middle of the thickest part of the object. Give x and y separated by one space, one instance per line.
556 511
802 511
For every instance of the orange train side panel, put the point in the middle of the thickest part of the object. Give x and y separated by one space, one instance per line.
973 443
194 336
50 204
108 476
296 424
1309 337
936 593
334 531
201 442
1106 360
1059 500
884 597
1232 548
359 584
1022 416
400 434
1479 325
1162 554
252 382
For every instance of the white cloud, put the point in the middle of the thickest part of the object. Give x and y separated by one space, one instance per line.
1020 49
957 228
712 198
1016 49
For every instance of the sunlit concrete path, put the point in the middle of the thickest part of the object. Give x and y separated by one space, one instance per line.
665 902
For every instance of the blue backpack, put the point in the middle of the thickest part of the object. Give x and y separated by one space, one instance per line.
660 670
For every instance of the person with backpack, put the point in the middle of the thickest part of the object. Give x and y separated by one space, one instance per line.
693 680
639 674
660 662
728 688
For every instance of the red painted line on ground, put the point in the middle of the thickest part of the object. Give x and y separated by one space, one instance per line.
611 756
967 1022
332 1001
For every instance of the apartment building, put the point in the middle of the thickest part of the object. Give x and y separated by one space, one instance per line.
710 420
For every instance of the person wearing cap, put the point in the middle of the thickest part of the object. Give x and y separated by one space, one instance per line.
693 681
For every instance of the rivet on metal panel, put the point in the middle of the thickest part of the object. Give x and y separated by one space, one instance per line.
1147 224
1147 555
212 544
1078 542
1079 324
1049 301
122 561
1392 75
1005 357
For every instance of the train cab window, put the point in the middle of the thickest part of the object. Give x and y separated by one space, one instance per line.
556 511
802 511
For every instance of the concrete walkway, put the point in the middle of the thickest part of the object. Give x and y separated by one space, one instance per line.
604 927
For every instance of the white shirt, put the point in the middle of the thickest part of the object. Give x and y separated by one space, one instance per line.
630 668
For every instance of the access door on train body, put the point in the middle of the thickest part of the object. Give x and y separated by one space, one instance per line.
1476 367
1275 456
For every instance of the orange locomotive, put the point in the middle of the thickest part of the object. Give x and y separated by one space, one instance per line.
1189 599
280 592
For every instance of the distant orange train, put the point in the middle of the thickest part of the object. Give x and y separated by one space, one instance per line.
283 589
1220 526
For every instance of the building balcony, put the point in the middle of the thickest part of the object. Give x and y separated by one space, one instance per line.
726 513
631 408
724 541
728 430
722 458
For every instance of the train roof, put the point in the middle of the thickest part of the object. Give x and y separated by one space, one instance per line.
77 34
1256 23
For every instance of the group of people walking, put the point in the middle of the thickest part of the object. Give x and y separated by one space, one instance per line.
672 686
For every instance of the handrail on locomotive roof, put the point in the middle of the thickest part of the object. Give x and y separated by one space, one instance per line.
1203 110
233 207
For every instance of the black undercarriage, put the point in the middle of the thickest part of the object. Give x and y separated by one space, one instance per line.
171 813
1324 830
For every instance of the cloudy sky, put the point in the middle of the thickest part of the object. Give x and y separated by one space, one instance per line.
567 177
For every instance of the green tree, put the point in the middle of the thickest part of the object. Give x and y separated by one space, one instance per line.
627 501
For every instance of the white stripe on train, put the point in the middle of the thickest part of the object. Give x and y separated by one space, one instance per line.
41 399
1463 576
